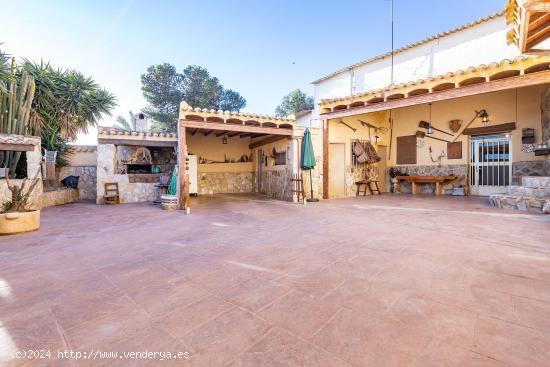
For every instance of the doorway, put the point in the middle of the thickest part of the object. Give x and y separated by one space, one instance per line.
337 170
490 164
382 166
259 171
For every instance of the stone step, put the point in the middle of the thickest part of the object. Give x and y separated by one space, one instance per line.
539 192
519 202
535 181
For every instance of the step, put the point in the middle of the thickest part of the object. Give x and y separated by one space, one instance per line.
535 181
521 202
537 192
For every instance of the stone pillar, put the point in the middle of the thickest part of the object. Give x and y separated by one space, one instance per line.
34 161
545 115
545 125
106 156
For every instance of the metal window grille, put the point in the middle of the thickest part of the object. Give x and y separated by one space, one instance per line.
354 163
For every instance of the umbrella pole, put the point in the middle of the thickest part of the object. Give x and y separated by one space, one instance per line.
311 199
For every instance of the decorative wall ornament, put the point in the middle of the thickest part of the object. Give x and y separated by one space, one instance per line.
455 125
527 148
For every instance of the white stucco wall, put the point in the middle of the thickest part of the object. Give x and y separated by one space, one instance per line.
460 50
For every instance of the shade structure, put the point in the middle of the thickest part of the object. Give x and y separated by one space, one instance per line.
308 157
308 160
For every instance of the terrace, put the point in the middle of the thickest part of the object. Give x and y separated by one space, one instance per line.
247 281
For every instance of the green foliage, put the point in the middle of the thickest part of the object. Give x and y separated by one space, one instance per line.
164 89
293 103
129 125
66 103
15 108
6 206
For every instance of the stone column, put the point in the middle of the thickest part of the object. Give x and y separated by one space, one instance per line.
545 125
106 156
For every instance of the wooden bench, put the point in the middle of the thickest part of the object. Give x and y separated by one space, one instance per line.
437 180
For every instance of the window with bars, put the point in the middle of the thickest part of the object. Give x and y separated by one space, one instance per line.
354 163
280 158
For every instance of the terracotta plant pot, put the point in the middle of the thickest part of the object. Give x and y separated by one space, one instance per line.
19 222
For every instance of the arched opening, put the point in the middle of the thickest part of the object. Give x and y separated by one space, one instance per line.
504 74
418 92
214 119
269 124
252 123
340 107
285 126
234 121
443 86
395 96
471 81
357 104
375 100
194 117
538 67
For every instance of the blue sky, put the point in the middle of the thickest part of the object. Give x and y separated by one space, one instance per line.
263 49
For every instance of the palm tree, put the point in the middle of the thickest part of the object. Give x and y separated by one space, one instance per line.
125 124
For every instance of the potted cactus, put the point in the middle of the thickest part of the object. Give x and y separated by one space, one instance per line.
15 213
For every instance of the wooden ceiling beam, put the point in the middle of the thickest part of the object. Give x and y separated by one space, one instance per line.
194 132
541 77
268 140
221 134
235 128
206 133
230 135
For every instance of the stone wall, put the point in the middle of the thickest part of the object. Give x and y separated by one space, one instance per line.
545 116
529 168
276 184
87 182
459 170
59 197
129 192
210 183
34 160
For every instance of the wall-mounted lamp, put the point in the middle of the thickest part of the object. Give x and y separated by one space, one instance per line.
484 117
224 139
430 129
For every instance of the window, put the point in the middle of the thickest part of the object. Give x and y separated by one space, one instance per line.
354 163
280 159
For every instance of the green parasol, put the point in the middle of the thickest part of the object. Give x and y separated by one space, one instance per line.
308 159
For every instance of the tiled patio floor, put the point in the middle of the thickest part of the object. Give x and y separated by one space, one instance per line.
381 281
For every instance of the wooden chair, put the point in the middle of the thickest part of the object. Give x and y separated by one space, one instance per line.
111 193
370 182
297 186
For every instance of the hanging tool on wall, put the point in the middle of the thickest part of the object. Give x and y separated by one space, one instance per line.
376 129
343 123
438 159
422 134
426 125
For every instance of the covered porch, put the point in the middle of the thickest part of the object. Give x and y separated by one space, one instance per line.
236 153
513 94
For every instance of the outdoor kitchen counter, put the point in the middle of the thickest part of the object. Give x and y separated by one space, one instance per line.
437 180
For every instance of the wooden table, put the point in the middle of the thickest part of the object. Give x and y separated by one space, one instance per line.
437 180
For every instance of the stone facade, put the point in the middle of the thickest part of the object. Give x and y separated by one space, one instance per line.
59 197
545 116
276 184
210 183
459 170
34 160
529 168
129 192
87 182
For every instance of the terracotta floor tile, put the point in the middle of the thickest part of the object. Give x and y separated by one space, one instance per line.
511 343
114 327
163 297
219 341
300 313
255 293
370 280
184 319
280 349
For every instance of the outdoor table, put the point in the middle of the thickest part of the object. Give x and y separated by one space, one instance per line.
437 180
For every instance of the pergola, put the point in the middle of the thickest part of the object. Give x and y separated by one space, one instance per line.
262 128
523 71
531 20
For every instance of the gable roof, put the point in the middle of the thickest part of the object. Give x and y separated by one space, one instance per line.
414 44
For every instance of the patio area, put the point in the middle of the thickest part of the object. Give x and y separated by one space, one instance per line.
245 281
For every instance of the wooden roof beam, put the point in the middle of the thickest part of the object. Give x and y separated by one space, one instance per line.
235 128
541 77
268 140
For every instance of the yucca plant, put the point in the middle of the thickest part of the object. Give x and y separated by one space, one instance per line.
15 110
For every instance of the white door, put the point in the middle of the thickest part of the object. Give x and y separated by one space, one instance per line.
337 170
490 164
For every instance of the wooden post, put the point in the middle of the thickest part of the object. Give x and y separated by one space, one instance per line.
182 155
325 159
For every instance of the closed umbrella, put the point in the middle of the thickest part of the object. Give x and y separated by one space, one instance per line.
308 160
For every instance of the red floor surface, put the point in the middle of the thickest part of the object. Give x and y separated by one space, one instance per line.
375 281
